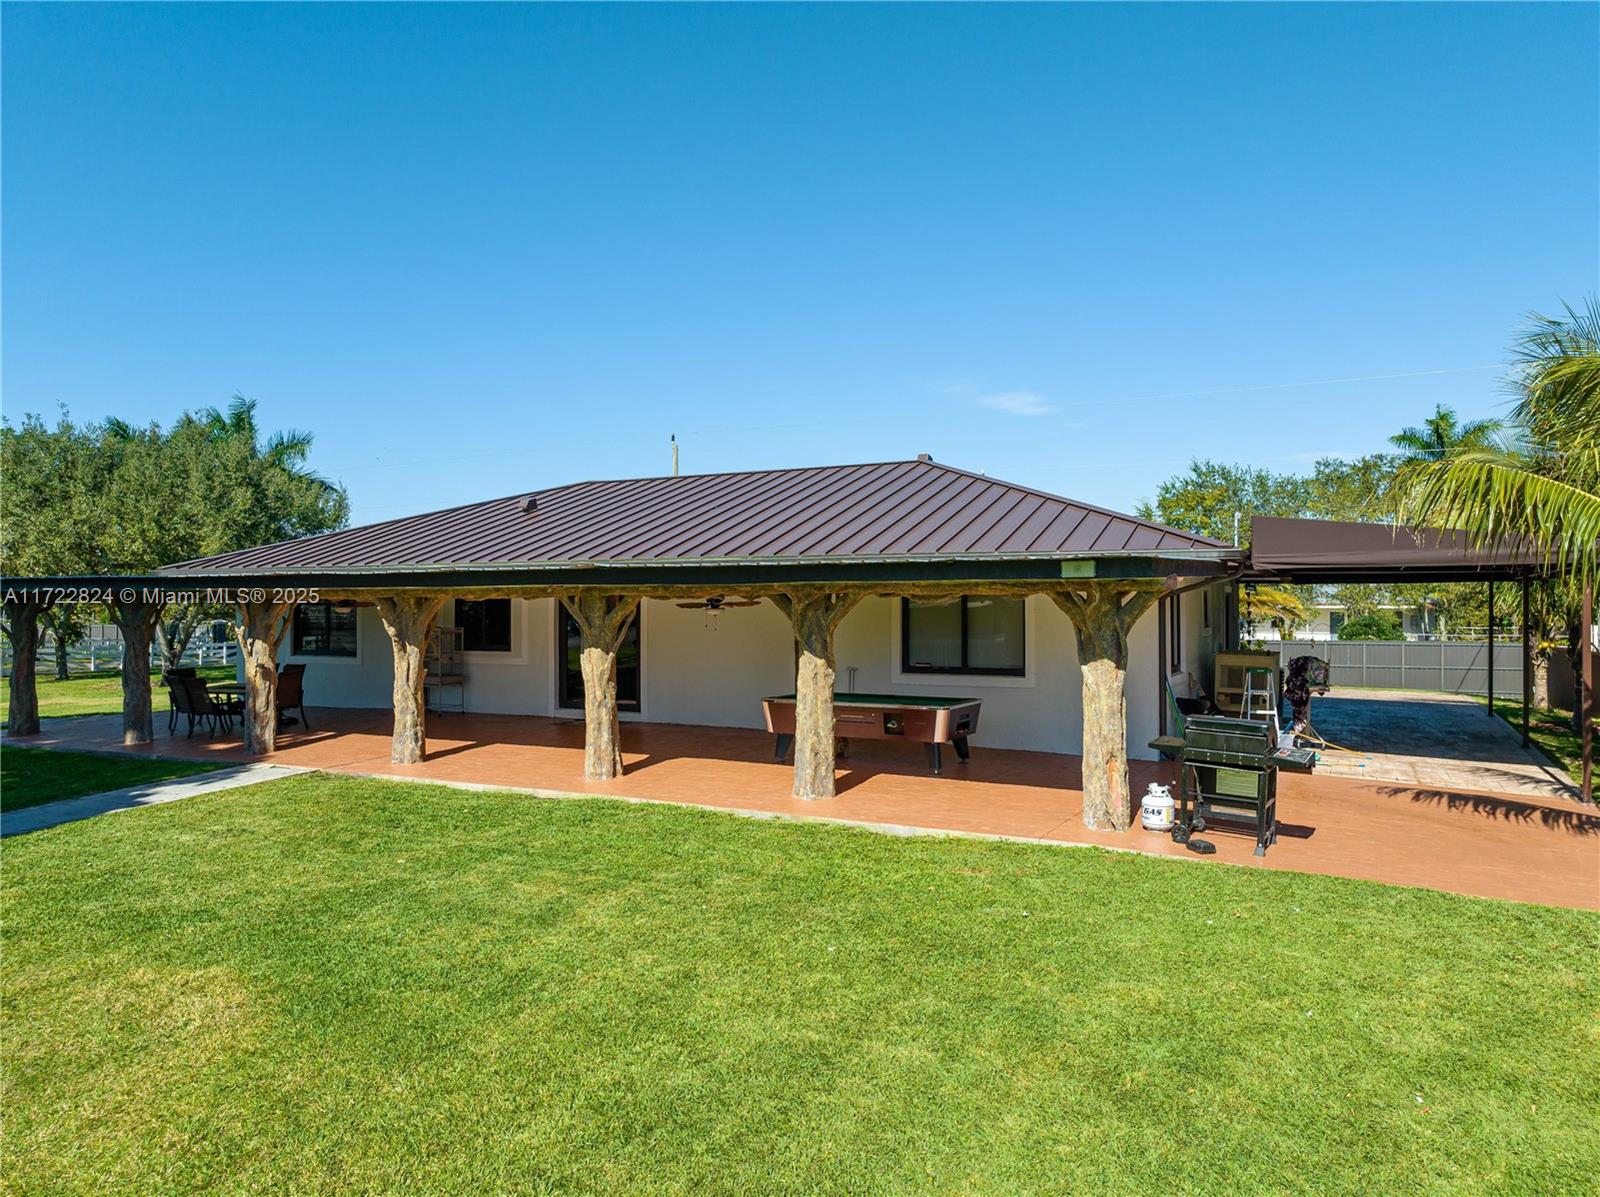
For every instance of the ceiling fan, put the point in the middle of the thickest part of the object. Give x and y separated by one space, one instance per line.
718 603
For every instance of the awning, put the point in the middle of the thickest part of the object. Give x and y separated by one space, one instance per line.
1296 550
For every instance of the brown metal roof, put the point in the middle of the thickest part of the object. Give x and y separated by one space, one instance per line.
897 509
1300 550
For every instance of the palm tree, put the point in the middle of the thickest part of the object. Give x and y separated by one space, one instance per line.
1442 434
1274 605
1544 486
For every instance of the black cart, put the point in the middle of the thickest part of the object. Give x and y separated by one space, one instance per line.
1230 776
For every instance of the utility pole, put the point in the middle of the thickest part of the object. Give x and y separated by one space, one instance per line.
674 454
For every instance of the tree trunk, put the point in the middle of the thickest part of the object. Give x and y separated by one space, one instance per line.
137 623
409 622
603 621
63 658
22 629
174 637
1541 677
260 630
815 616
1103 614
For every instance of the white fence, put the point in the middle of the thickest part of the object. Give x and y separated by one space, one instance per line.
97 655
1450 666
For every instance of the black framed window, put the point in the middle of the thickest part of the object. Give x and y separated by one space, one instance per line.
982 634
485 625
323 630
569 672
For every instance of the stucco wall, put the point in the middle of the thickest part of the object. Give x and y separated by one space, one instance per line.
714 670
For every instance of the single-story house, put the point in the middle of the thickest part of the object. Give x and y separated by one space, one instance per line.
712 660
1419 621
690 599
695 599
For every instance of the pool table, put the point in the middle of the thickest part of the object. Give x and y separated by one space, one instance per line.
924 718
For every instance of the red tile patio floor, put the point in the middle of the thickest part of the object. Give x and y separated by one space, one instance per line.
1531 849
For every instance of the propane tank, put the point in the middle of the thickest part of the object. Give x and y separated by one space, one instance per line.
1157 809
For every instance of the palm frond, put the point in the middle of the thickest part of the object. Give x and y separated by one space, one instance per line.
1490 495
1273 604
289 447
242 416
1413 440
1478 434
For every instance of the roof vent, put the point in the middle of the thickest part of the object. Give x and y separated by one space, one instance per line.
530 505
924 456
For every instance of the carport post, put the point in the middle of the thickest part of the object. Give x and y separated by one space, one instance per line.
1491 648
1586 691
1527 658
1161 666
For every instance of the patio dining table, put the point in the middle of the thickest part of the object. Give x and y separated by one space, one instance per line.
239 690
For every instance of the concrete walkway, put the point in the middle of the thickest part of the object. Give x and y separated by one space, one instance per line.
70 810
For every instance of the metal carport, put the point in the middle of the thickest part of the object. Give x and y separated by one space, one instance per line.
1307 551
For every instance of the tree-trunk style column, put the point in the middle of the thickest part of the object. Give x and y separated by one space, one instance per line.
1102 614
260 630
22 629
815 616
136 620
409 622
603 621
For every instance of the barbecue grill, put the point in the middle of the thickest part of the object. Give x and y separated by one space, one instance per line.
1230 775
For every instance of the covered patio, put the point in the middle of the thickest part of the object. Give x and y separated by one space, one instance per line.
812 544
805 549
1530 848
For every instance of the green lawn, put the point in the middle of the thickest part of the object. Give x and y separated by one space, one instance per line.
29 776
99 693
341 985
1549 728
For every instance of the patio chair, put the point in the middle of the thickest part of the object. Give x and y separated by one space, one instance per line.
168 679
217 710
1184 698
182 704
291 692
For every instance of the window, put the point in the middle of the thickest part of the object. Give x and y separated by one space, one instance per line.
971 634
485 625
323 630
569 673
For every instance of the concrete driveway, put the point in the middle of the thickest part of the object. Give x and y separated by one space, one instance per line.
1445 740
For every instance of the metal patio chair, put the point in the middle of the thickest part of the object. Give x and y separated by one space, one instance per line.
291 692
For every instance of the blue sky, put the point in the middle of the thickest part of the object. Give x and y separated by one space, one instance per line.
479 250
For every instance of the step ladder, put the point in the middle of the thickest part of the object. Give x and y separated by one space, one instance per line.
1260 699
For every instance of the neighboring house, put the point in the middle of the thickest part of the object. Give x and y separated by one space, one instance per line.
687 661
1417 622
